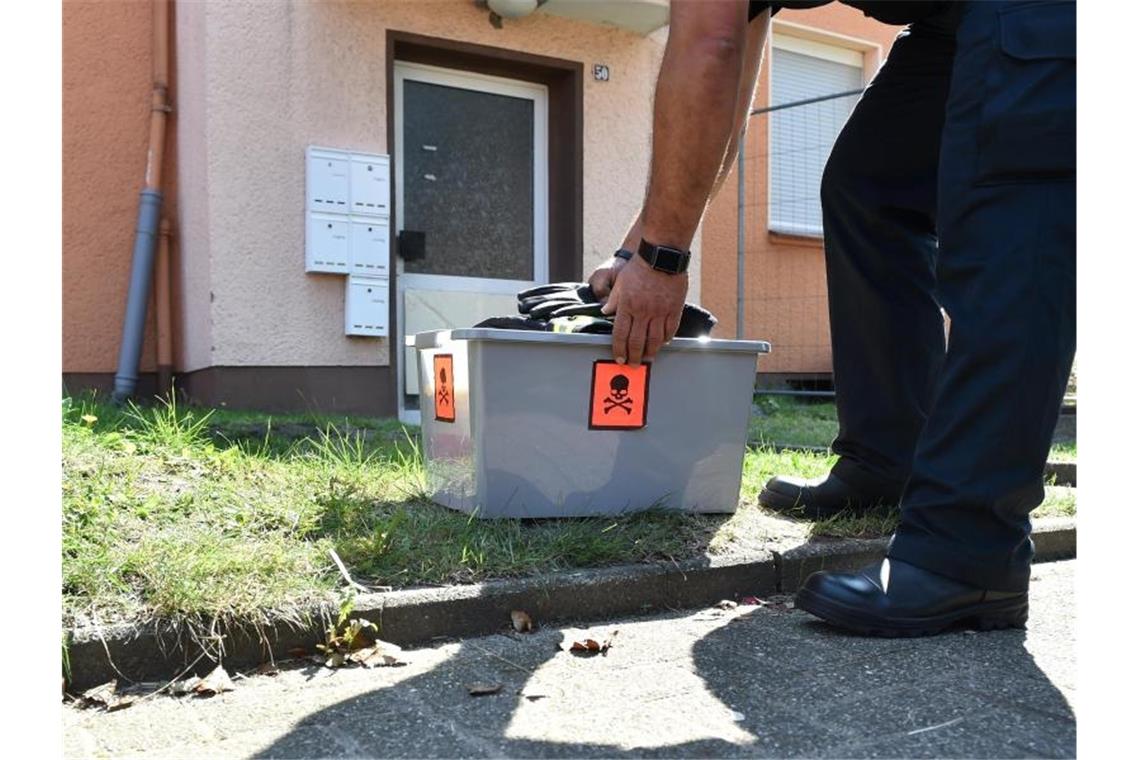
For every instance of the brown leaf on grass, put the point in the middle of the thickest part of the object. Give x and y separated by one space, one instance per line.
380 655
483 689
521 621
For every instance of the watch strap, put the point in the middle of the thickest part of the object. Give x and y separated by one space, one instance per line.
664 258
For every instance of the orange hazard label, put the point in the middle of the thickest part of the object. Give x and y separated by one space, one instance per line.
619 396
444 388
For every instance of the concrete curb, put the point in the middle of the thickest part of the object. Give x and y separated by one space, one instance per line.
417 616
1063 473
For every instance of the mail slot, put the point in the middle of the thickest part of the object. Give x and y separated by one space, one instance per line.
527 424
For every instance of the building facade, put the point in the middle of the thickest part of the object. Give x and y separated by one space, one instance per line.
515 152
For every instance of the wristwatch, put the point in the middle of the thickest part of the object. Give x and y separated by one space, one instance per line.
664 258
622 253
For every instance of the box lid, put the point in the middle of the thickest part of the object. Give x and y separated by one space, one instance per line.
439 338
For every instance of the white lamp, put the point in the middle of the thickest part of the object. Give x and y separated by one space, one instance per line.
512 8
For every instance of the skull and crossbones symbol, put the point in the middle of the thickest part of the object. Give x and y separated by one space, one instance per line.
444 395
619 396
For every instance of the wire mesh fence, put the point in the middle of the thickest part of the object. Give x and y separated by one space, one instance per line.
782 284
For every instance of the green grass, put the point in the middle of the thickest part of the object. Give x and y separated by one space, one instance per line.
1063 452
163 520
783 421
190 515
1059 502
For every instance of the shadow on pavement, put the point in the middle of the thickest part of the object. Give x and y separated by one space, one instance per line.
772 682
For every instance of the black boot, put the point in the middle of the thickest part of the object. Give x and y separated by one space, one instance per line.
893 598
823 497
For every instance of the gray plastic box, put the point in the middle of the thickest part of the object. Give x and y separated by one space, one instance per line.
520 443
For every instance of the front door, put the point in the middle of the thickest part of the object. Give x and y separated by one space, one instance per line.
471 176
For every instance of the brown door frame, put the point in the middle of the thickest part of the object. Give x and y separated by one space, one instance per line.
564 83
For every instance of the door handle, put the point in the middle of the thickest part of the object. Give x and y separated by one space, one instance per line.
412 245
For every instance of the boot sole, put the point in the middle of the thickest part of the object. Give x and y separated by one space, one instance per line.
985 616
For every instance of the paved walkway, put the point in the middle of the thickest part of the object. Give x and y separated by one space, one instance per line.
755 681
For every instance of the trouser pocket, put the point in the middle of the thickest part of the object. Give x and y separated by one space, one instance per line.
1028 125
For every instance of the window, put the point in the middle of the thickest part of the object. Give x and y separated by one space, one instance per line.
801 136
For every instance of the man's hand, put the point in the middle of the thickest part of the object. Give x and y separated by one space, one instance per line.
602 279
647 305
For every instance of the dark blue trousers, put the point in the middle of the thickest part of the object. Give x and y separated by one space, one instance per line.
953 184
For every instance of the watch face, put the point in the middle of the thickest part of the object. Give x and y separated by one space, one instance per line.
664 258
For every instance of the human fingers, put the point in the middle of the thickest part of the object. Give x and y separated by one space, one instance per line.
655 337
672 322
637 339
609 307
623 323
602 281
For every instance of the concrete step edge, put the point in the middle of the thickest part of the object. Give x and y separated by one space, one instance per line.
419 616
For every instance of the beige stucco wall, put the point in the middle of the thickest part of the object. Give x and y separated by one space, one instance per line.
261 81
193 320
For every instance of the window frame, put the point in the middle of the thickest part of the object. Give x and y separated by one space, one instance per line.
825 45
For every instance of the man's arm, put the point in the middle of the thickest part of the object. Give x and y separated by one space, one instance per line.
753 59
697 111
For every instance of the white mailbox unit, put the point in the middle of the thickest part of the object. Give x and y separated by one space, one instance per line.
347 200
366 306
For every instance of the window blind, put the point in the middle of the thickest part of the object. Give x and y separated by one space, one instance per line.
801 137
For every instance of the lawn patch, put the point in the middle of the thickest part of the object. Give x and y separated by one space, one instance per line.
207 517
780 421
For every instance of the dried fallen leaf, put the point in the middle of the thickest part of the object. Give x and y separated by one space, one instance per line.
267 669
106 696
521 621
216 682
120 703
725 604
101 694
187 686
298 652
590 647
483 689
380 655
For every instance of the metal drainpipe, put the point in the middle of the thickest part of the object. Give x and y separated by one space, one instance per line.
150 209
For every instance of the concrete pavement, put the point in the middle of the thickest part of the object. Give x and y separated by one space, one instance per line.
762 681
